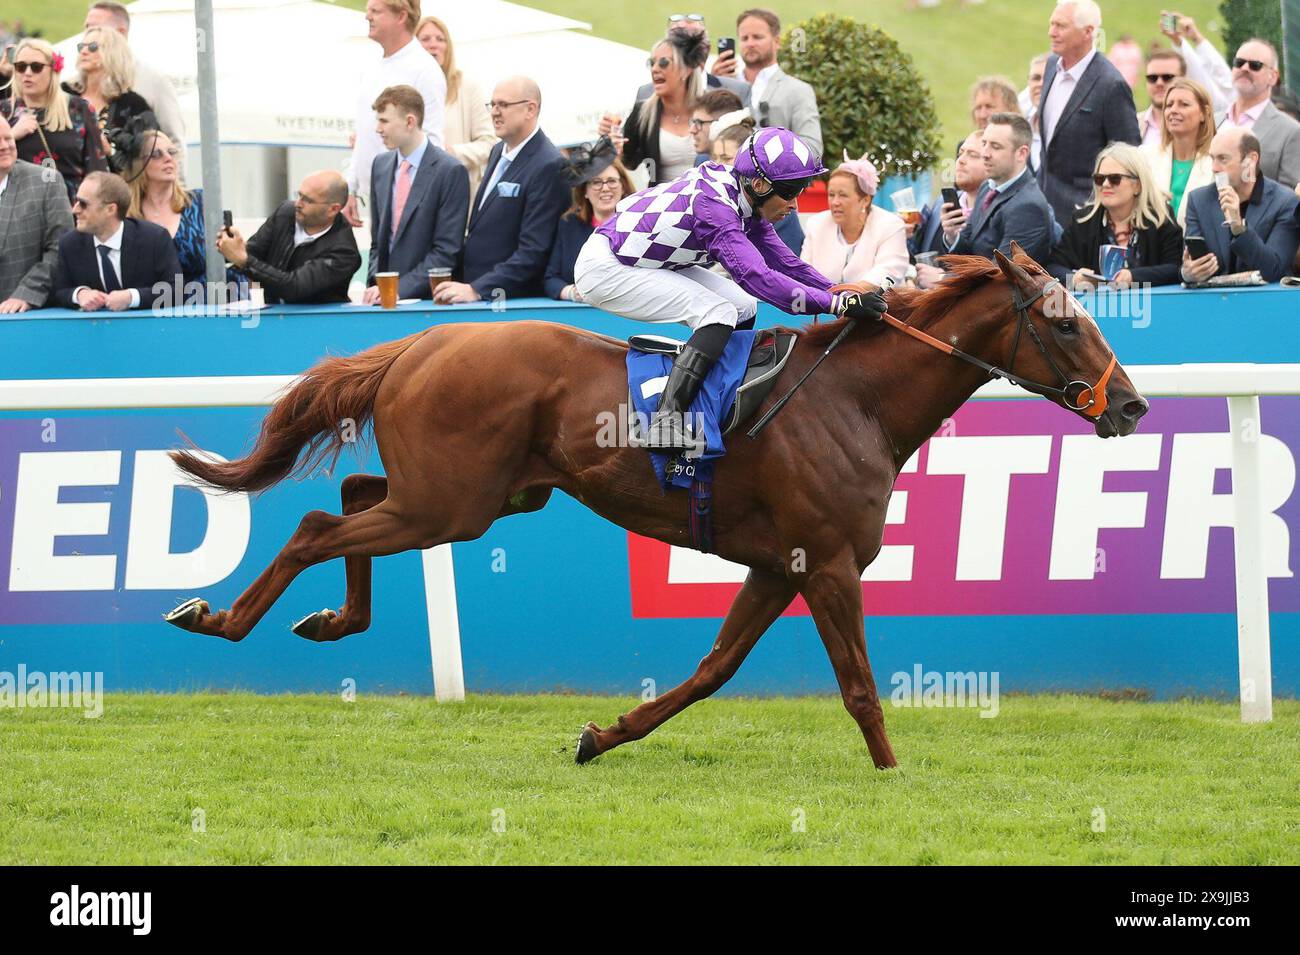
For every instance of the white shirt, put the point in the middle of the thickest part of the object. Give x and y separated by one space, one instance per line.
759 86
301 236
508 155
410 66
4 184
114 245
1063 86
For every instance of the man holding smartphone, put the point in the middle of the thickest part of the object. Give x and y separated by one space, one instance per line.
1248 222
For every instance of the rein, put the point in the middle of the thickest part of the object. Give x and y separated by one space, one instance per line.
1094 407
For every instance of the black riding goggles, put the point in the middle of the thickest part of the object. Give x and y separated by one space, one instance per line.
790 188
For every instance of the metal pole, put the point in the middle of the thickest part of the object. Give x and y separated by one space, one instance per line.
210 141
1254 660
1291 44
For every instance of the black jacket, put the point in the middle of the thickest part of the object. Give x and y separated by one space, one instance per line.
148 257
311 274
1154 254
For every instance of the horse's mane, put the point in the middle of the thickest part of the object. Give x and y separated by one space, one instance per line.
919 307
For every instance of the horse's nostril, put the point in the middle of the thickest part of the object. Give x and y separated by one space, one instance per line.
1135 408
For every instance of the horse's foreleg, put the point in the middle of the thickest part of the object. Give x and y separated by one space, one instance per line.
834 595
359 492
758 604
375 532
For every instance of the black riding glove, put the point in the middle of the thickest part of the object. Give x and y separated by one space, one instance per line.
868 305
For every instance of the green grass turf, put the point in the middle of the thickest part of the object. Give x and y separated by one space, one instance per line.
312 779
951 44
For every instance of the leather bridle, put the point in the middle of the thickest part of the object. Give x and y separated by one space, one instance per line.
1093 407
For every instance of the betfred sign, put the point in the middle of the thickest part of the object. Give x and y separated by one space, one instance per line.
1015 507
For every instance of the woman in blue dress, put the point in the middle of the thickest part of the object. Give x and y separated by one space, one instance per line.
159 196
599 181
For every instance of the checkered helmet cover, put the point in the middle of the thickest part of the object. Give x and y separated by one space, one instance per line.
776 154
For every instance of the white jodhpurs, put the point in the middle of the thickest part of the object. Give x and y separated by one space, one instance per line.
694 296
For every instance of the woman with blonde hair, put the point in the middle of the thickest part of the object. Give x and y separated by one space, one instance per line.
106 72
159 196
659 128
855 240
1181 162
467 128
52 128
1129 210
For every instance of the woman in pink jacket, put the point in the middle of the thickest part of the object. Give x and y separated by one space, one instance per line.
853 240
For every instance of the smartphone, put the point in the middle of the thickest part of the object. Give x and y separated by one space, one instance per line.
726 43
950 196
227 220
1169 22
1196 247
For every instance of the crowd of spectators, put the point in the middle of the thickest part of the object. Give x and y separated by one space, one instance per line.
466 198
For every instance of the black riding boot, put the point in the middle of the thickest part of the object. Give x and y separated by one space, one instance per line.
668 429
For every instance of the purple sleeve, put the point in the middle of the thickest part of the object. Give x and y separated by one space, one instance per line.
718 227
778 255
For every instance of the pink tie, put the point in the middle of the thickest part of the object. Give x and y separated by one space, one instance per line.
401 193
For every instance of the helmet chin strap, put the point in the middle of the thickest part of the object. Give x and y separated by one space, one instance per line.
756 198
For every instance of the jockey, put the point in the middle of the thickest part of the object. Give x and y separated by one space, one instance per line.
649 261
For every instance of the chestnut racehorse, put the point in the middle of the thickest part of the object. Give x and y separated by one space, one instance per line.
516 407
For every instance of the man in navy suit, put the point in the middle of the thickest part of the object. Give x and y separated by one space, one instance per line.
968 175
1085 105
1247 226
512 219
110 261
419 197
1009 206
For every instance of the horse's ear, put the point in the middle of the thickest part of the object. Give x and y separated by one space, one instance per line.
1014 272
1016 250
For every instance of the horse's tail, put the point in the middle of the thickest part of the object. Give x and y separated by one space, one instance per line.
326 408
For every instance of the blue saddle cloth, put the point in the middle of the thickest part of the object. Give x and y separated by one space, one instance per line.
646 376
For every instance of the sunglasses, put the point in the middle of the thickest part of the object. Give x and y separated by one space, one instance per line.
687 17
79 203
159 153
1114 178
36 69
1255 65
92 47
664 62
1161 77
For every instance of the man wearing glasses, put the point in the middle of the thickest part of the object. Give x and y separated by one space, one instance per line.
305 252
513 217
109 261
1254 74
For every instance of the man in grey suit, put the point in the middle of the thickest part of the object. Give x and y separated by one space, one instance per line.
1009 206
34 213
776 97
1251 225
419 197
1085 105
1254 74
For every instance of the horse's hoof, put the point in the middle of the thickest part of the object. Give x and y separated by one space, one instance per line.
187 614
587 749
309 626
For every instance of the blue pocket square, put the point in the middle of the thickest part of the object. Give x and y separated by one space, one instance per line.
507 190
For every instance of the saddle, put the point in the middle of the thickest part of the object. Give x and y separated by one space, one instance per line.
766 359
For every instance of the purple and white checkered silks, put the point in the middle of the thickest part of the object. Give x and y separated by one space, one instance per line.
781 155
662 228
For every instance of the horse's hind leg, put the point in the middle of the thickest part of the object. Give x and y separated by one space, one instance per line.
834 595
383 529
359 492
759 602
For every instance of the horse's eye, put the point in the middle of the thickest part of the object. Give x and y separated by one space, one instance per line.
1066 326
